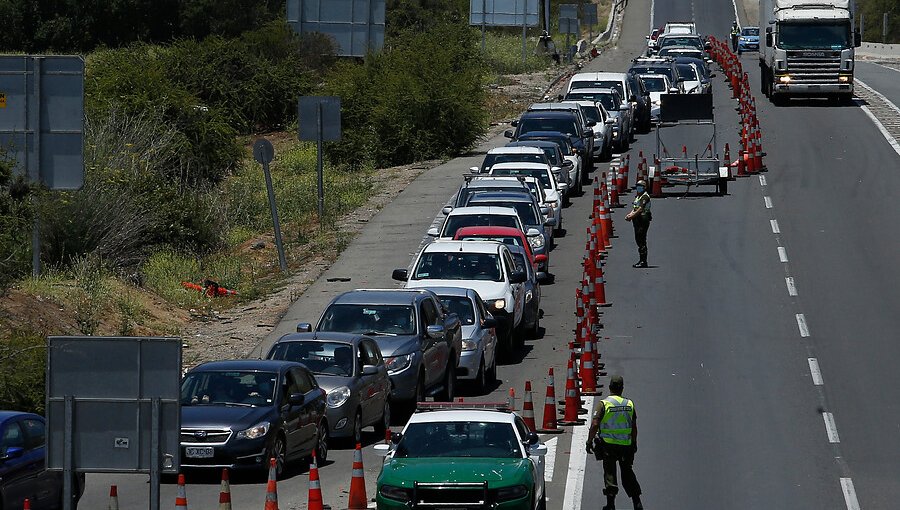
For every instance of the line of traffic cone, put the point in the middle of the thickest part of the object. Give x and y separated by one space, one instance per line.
181 495
572 403
315 488
528 409
357 499
225 492
272 485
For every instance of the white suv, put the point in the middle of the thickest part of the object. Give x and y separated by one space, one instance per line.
484 266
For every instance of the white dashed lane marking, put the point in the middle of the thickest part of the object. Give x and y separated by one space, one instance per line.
775 228
762 180
577 462
550 459
801 323
792 289
782 254
831 428
814 371
849 494
768 201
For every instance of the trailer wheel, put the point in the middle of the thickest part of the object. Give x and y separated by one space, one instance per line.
722 186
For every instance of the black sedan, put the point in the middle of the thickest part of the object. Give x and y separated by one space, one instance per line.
239 414
349 367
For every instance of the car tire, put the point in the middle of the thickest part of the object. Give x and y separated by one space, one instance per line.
481 378
492 370
384 423
321 450
519 335
543 504
447 393
278 451
535 328
356 433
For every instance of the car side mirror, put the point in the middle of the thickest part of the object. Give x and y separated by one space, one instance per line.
297 399
475 169
550 222
400 275
369 370
304 327
532 438
489 323
707 45
518 277
514 123
433 232
568 164
540 259
381 449
537 450
647 37
625 105
610 122
712 75
533 232
446 210
396 437
13 452
435 332
545 210
508 133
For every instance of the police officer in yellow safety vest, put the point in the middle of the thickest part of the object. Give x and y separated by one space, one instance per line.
735 34
613 439
640 217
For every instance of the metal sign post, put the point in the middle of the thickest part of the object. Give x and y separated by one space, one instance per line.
319 120
569 26
483 23
264 153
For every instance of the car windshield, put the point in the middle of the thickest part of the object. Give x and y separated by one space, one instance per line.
525 210
666 70
606 99
369 319
655 83
687 72
493 159
816 36
458 266
680 52
459 439
559 124
461 306
540 174
510 240
600 84
750 32
466 191
565 146
459 221
322 358
694 42
228 388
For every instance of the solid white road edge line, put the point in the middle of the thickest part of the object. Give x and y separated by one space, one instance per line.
550 459
782 254
815 372
831 428
849 494
736 17
775 228
884 132
801 323
577 462
768 201
886 67
792 289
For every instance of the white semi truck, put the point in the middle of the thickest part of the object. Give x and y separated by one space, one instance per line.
808 48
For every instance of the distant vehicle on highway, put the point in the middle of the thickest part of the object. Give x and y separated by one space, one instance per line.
22 468
505 235
565 122
612 102
657 84
543 173
350 369
748 40
679 27
532 215
463 458
420 340
557 159
480 184
532 291
619 82
239 414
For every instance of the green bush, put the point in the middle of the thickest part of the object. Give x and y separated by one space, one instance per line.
23 361
15 225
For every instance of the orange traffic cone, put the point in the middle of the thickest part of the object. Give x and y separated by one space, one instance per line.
599 285
528 409
613 187
181 496
272 485
549 425
572 404
387 436
225 492
511 399
315 488
588 373
113 497
357 500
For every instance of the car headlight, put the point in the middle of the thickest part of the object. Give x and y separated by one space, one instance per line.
256 431
396 364
785 79
843 79
395 493
337 397
469 345
498 304
536 241
511 493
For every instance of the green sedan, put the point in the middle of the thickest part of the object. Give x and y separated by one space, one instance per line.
461 458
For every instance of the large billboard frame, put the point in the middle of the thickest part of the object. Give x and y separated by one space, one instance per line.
356 26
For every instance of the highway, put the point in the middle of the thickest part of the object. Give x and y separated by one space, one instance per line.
714 346
883 78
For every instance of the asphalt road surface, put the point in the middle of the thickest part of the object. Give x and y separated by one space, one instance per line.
732 412
882 78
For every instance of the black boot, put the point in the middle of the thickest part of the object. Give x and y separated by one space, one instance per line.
640 264
610 503
637 503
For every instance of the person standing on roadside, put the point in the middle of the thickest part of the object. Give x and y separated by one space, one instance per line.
612 438
735 33
640 217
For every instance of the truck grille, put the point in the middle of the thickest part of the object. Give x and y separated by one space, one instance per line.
205 436
812 67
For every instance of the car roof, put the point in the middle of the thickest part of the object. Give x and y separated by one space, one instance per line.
525 165
549 114
505 196
380 297
598 76
553 106
491 231
445 246
454 291
5 415
515 150
487 180
493 210
533 143
462 415
260 365
323 336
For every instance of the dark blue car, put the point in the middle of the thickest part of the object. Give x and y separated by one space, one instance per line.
22 473
241 413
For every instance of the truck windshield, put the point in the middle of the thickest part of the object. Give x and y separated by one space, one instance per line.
818 36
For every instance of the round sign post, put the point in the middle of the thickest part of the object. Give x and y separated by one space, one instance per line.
264 153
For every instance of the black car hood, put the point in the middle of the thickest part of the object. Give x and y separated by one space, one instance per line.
221 416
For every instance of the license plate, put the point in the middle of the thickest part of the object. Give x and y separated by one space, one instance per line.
199 452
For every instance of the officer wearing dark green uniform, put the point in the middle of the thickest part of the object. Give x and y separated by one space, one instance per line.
735 34
640 217
613 438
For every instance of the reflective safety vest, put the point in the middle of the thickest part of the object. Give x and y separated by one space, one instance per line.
636 204
617 421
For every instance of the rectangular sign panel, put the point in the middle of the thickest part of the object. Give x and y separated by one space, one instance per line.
309 122
569 26
504 13
42 117
356 26
677 107
101 392
590 14
568 10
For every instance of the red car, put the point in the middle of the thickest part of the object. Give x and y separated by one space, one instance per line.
505 235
